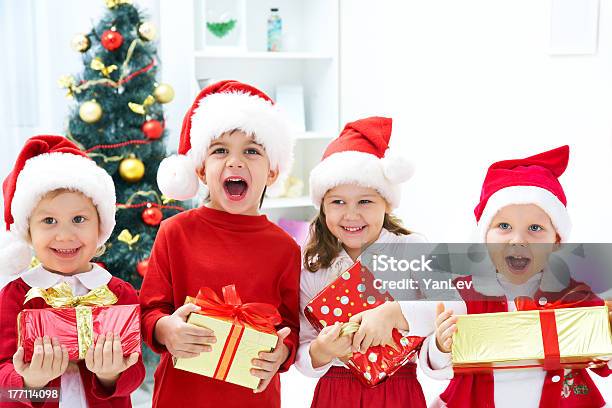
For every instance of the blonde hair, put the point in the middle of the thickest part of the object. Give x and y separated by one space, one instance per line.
323 246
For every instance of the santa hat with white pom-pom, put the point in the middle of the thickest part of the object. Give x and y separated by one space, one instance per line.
47 163
361 155
222 107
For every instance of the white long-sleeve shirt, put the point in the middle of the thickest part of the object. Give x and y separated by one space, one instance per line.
311 283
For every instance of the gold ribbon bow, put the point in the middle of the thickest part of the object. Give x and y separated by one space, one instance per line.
142 108
61 295
68 82
126 237
98 65
114 3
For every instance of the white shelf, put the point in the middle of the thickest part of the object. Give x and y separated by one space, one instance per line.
284 202
316 135
269 56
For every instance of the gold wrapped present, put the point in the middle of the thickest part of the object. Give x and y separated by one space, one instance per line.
242 331
552 338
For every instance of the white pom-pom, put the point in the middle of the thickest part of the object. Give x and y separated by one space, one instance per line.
177 178
397 169
15 254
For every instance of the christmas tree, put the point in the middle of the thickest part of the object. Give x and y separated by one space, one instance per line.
118 120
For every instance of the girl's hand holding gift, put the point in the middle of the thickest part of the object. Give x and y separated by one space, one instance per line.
329 345
183 340
268 363
106 359
445 327
376 326
49 361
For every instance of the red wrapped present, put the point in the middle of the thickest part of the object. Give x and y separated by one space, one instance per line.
354 292
77 320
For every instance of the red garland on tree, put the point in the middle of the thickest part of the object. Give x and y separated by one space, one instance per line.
153 129
142 267
111 40
152 216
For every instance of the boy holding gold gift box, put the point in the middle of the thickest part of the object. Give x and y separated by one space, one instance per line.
522 218
60 203
237 144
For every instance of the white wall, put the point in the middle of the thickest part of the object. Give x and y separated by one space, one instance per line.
471 82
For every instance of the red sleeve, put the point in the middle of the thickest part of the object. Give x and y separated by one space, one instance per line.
156 298
289 309
11 303
130 379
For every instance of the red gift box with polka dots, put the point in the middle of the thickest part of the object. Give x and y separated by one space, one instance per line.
351 293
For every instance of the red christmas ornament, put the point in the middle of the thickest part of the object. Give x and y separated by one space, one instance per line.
152 216
111 40
142 267
153 129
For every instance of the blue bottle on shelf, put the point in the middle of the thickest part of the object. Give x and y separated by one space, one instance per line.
275 30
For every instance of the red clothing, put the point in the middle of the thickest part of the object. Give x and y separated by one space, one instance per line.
477 390
207 247
11 303
339 388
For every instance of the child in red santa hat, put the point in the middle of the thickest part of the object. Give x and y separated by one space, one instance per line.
61 204
522 217
356 186
236 143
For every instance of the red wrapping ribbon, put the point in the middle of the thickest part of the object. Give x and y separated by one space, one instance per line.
260 316
548 323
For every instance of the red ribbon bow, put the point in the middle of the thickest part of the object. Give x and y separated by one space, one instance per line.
261 316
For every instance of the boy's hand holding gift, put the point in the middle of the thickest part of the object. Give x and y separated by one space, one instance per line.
248 352
268 363
49 361
184 340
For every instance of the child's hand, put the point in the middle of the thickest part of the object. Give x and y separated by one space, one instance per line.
183 340
329 345
445 327
106 359
49 361
268 363
376 326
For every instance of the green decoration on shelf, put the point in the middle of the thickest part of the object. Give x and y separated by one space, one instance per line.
221 29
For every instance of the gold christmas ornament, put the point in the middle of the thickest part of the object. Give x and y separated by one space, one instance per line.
163 93
131 169
114 3
147 31
90 111
80 43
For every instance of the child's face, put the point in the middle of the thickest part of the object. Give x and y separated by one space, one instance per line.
519 240
64 231
236 171
355 215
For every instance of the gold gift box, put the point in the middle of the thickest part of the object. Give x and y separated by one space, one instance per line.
514 339
235 367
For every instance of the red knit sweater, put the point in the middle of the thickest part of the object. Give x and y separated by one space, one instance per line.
207 247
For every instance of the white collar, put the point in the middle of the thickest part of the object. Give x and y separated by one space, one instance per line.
41 278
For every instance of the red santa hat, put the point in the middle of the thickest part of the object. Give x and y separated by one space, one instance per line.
533 180
361 155
219 108
48 163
